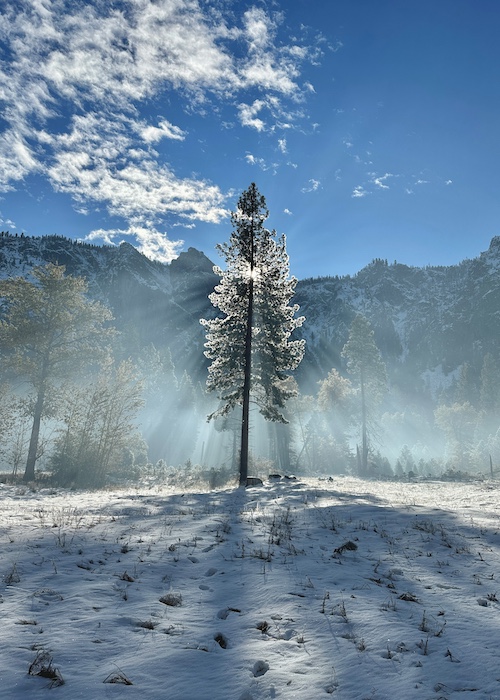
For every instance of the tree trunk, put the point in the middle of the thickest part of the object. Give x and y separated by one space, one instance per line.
364 434
245 421
282 446
29 473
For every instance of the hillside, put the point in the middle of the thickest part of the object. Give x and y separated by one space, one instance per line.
428 321
431 324
151 302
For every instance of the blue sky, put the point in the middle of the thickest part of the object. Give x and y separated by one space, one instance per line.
370 126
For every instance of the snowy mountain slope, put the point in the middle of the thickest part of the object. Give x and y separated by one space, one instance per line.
151 302
423 318
430 319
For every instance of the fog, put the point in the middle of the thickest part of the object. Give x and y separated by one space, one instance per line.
166 436
434 410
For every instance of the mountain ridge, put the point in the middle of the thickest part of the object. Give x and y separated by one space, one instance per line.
424 318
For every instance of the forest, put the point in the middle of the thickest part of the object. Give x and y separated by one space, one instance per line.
87 408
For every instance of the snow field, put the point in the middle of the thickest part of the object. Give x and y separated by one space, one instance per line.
346 589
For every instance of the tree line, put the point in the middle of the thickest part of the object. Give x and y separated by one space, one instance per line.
67 397
70 400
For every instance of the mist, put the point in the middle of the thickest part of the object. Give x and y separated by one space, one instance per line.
435 414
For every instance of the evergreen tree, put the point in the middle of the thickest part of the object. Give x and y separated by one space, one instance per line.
159 418
490 386
459 422
335 397
466 387
50 331
336 403
406 460
365 364
250 345
9 405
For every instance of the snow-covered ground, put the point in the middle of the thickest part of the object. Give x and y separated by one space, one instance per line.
308 589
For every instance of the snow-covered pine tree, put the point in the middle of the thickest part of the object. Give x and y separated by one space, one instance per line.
250 345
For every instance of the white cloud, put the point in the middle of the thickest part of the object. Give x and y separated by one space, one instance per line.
258 29
260 162
74 78
6 224
448 182
155 244
17 158
282 145
248 115
152 243
287 212
380 181
276 117
359 192
181 224
312 186
154 134
265 64
94 162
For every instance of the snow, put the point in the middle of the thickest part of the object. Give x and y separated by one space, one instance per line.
298 589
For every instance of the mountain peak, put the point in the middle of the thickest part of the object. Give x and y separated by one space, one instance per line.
495 244
126 248
191 260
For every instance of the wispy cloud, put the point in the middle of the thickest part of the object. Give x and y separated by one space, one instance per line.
73 80
372 184
380 180
6 223
248 115
358 192
260 162
154 134
312 186
96 162
151 242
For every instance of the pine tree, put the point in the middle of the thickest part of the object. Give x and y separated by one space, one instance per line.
365 364
490 386
250 345
159 418
336 402
459 423
466 386
335 397
50 331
